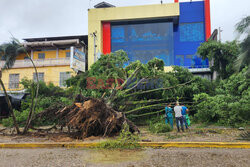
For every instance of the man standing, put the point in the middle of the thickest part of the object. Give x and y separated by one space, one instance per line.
184 114
178 116
169 115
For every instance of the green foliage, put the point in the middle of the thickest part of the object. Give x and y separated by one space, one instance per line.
243 28
108 66
44 90
230 104
9 51
126 140
48 95
112 66
223 56
21 117
159 127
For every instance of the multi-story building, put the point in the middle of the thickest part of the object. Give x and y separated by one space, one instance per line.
52 57
171 32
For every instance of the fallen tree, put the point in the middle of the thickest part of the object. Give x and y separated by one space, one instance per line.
89 117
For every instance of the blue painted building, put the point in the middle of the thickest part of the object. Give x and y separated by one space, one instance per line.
174 38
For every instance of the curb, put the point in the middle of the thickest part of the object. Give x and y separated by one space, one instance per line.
143 144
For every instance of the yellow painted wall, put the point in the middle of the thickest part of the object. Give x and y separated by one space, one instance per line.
51 54
51 74
62 53
96 16
21 56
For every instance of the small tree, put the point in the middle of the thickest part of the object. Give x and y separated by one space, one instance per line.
222 54
9 52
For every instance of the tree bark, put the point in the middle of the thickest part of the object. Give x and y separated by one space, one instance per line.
10 107
33 106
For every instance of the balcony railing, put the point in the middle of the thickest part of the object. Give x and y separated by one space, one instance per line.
39 62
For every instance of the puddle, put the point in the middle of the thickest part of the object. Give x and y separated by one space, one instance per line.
115 156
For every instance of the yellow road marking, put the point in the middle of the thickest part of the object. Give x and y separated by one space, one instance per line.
143 144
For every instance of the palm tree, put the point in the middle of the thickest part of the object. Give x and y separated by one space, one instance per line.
243 28
9 53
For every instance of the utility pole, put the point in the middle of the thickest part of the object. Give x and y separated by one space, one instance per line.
220 31
94 36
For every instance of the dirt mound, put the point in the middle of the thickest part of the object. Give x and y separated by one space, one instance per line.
92 117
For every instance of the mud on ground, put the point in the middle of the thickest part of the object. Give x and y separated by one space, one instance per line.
194 134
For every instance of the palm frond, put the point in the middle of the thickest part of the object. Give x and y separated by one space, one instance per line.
9 52
240 60
243 25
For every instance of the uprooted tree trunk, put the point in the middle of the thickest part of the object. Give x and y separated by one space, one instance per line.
91 117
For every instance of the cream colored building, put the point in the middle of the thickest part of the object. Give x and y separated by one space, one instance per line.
52 58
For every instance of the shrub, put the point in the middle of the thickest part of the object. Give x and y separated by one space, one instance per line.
159 127
21 117
126 140
230 104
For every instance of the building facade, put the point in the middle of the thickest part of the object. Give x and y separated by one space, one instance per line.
171 32
52 59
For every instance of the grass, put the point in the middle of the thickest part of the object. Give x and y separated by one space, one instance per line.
126 140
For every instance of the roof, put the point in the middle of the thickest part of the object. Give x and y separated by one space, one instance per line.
103 5
81 37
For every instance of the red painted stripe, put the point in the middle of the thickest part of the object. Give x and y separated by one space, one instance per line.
207 18
106 30
176 1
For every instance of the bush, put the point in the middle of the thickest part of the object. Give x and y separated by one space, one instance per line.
126 140
159 127
21 117
230 104
48 95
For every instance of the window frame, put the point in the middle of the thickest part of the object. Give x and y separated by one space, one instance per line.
14 81
39 76
62 78
41 54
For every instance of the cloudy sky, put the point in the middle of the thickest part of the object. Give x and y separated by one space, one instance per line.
43 18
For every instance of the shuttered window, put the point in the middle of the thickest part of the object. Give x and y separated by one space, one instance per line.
40 76
13 81
63 77
41 55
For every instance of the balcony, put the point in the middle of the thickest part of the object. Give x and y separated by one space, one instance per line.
40 63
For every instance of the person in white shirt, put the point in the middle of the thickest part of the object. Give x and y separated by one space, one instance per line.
178 116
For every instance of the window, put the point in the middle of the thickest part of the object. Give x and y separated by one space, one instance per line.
191 60
40 76
63 77
67 54
192 32
144 40
41 55
180 60
13 81
26 58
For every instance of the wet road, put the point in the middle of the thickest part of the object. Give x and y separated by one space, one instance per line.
142 158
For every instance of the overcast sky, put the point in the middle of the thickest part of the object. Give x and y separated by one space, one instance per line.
44 18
